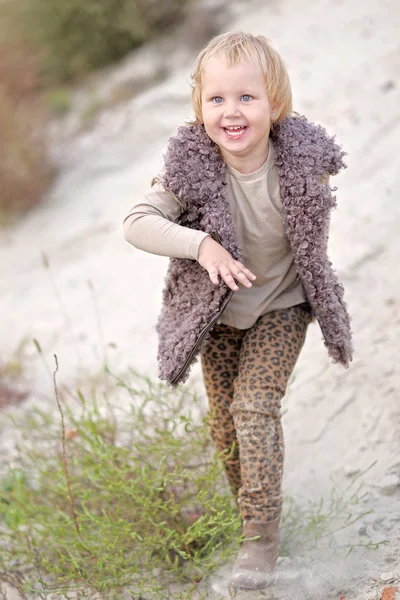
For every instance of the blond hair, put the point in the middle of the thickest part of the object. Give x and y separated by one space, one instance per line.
236 47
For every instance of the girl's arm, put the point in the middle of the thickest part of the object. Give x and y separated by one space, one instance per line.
151 226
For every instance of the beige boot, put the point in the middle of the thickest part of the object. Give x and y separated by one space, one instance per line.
254 566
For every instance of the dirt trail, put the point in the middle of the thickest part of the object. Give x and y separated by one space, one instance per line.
344 62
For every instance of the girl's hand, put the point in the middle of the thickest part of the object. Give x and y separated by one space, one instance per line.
217 261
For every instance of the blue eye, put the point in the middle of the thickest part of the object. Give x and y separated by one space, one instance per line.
246 98
217 99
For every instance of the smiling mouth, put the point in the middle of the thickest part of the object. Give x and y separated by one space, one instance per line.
235 131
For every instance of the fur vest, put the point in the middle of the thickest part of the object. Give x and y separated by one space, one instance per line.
195 171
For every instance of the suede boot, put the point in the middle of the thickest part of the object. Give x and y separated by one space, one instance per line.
257 558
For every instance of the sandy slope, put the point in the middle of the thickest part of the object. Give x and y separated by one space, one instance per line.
344 62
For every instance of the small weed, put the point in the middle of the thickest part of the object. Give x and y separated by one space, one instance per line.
58 100
319 526
128 89
90 111
12 389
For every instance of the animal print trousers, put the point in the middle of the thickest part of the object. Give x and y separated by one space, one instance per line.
246 373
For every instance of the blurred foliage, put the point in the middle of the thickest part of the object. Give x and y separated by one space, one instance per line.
81 36
43 44
25 168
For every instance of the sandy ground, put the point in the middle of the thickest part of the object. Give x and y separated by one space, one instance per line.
344 62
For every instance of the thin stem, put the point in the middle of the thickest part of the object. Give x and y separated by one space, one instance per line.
63 310
64 452
98 321
15 584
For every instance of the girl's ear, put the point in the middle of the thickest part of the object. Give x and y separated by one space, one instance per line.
274 112
273 117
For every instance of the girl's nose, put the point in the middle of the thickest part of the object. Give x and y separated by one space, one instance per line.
231 109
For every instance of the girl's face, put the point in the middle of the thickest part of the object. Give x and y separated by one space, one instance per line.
236 112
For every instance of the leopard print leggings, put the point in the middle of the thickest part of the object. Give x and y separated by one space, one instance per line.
246 374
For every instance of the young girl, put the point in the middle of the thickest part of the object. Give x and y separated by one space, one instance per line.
242 208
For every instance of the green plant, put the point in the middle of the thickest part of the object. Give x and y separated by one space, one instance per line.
13 484
58 99
107 505
81 36
90 111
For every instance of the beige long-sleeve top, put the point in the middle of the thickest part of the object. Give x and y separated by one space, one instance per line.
255 204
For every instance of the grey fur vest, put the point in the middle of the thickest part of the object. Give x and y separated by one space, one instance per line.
195 172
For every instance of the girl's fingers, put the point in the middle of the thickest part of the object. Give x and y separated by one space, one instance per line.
246 271
231 274
227 277
214 276
242 274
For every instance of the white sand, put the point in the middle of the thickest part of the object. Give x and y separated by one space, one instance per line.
344 62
